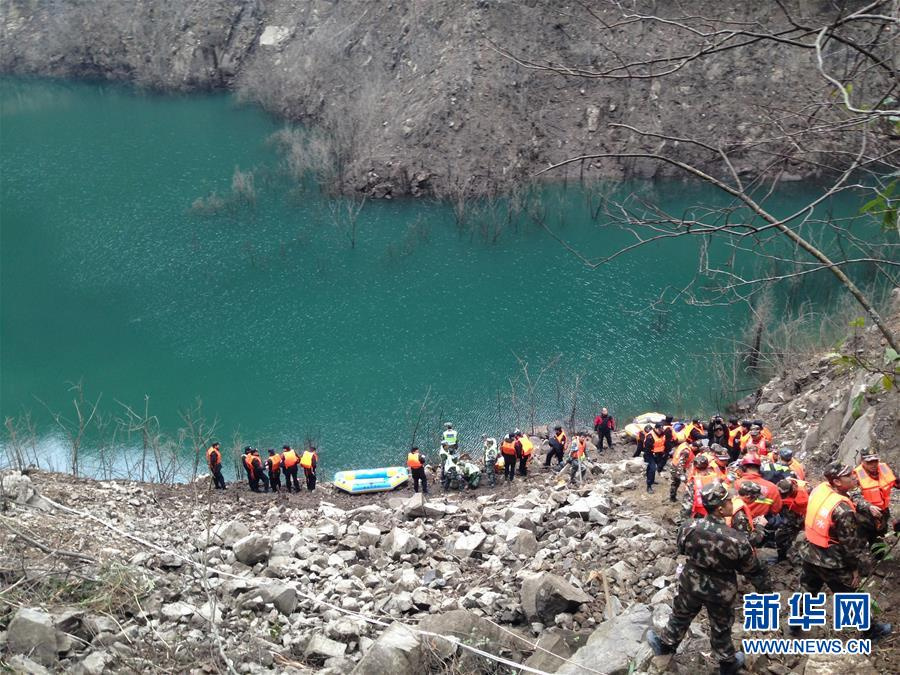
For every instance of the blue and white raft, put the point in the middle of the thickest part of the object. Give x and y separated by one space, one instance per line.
371 480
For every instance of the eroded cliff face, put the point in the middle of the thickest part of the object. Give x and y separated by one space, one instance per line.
419 97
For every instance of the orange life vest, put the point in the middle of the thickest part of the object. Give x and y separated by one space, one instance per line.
762 448
876 491
213 457
508 448
740 505
798 469
275 461
579 446
414 460
306 461
527 446
289 457
698 482
797 502
684 451
818 514
251 468
659 443
767 434
732 433
562 439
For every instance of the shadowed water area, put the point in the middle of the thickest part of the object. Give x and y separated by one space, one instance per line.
110 274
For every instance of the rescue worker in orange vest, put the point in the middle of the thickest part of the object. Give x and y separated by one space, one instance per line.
657 445
256 473
274 465
558 444
214 459
416 463
876 480
693 431
290 461
682 460
641 437
308 460
833 551
720 462
742 519
795 498
737 435
769 503
577 449
525 450
508 451
754 442
715 552
766 432
701 475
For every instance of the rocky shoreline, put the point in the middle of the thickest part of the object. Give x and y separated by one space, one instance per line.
112 576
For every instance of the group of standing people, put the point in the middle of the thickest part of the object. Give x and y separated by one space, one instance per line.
263 476
742 494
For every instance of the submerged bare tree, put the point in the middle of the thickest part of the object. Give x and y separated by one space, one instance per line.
843 132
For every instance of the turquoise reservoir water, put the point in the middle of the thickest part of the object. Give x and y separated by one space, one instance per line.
264 311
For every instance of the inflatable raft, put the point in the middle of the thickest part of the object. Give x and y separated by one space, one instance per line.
371 480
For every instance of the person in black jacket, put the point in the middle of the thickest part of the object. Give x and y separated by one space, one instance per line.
604 425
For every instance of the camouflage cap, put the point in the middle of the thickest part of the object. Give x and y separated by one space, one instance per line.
713 495
837 470
786 454
868 455
785 487
750 489
701 461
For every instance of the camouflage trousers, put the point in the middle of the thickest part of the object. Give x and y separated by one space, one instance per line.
677 479
790 526
695 590
813 577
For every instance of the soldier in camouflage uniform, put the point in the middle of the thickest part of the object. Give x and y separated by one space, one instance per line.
836 562
715 553
794 497
743 522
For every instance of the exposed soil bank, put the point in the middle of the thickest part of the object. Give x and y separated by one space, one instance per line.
418 97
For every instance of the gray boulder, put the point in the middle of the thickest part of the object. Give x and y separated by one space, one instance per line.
230 532
465 545
323 647
32 633
554 645
617 646
94 663
521 541
470 629
545 595
419 507
22 664
252 549
399 542
860 436
283 596
396 651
